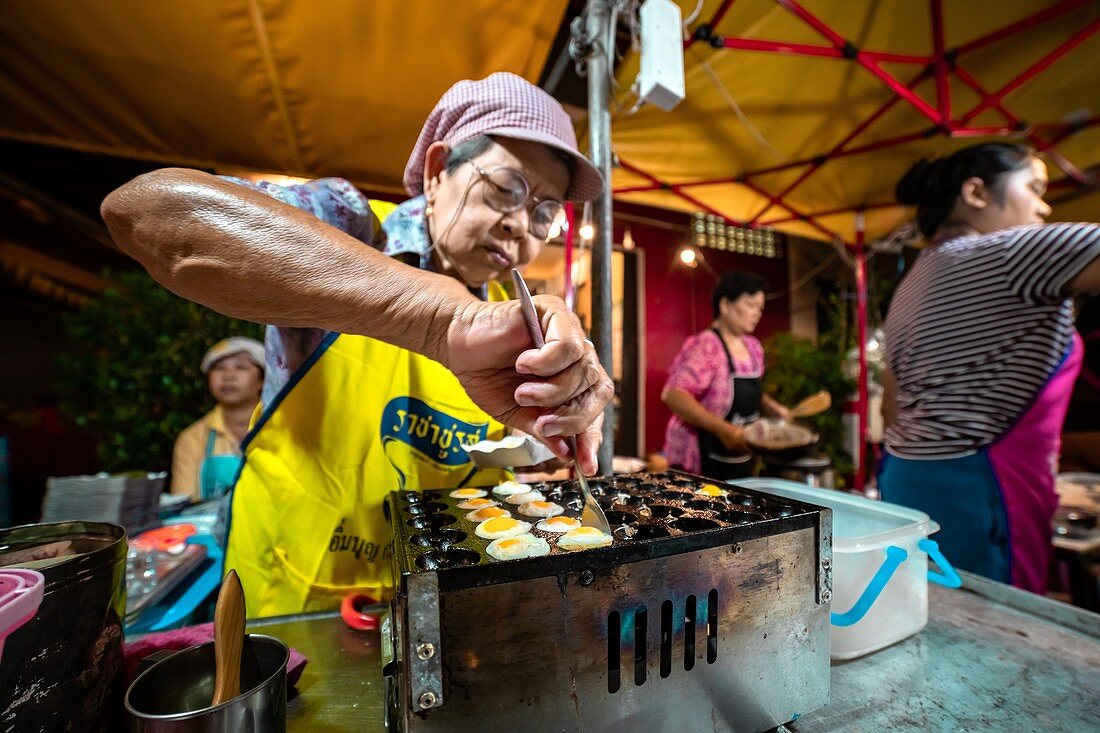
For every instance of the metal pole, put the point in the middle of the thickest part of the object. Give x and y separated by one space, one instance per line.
598 29
861 330
571 221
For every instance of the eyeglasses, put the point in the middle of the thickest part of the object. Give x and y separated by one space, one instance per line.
507 191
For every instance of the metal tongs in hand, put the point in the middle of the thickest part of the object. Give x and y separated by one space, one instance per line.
592 514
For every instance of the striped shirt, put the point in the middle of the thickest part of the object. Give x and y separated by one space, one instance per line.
975 330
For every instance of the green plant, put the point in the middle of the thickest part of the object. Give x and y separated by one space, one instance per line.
132 378
796 368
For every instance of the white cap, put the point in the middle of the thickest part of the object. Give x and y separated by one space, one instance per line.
251 348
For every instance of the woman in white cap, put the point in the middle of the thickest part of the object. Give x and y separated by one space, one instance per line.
207 454
380 372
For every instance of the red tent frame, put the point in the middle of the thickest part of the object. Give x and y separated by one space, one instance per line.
940 64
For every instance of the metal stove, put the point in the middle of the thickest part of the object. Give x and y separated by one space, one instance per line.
713 614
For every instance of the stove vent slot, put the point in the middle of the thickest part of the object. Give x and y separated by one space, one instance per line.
634 622
666 639
641 626
614 632
689 633
712 625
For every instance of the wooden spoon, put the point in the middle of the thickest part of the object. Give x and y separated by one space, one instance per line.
228 639
816 403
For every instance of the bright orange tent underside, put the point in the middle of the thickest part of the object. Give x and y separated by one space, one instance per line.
341 88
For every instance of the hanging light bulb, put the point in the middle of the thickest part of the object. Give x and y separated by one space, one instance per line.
628 240
558 227
688 257
586 231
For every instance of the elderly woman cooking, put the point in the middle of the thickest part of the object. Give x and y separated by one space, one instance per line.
380 371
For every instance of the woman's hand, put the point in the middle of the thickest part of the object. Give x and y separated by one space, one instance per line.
773 408
733 438
552 393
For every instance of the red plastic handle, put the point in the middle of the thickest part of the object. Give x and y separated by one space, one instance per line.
350 611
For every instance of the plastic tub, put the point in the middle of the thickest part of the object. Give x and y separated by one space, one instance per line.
880 566
20 597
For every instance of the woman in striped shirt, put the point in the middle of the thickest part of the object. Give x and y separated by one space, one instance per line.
982 356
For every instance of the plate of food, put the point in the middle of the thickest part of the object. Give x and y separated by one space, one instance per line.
780 438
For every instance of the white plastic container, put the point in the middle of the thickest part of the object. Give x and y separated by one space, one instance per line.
880 566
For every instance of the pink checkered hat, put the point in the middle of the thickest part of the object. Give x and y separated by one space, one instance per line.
509 106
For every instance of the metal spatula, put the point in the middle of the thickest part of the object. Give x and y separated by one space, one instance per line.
592 514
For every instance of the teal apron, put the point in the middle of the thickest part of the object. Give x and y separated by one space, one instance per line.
217 473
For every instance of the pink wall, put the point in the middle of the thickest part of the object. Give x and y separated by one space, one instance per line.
677 300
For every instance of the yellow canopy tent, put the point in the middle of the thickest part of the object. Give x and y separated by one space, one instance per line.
341 88
300 88
797 108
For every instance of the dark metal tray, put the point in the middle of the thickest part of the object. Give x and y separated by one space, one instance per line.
652 515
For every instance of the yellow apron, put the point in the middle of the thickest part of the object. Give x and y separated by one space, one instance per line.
359 419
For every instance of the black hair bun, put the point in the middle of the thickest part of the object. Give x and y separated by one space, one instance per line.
916 182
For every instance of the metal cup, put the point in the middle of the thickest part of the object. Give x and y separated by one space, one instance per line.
173 696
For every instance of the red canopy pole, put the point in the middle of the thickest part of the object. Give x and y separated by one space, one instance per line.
720 13
861 329
794 49
865 60
994 98
830 212
660 185
829 52
1023 25
570 218
943 89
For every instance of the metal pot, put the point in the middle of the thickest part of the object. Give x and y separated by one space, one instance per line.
173 696
61 670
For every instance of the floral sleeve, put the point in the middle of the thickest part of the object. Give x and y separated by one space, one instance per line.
694 367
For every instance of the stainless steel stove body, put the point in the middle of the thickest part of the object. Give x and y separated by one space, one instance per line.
713 616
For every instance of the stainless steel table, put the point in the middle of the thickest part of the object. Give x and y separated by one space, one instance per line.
992 658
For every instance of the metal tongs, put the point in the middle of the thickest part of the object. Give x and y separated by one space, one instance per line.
592 514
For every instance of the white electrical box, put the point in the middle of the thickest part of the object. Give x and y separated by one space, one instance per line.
661 80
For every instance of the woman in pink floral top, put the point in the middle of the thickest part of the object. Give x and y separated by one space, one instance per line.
714 385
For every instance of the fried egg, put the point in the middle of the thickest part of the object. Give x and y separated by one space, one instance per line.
524 498
510 488
480 515
540 509
477 503
497 527
514 548
711 490
583 538
468 494
558 524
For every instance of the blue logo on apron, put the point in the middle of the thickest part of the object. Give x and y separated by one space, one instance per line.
436 434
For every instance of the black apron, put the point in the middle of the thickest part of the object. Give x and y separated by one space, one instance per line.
717 461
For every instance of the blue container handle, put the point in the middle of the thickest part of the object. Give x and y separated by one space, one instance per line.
895 556
948 578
